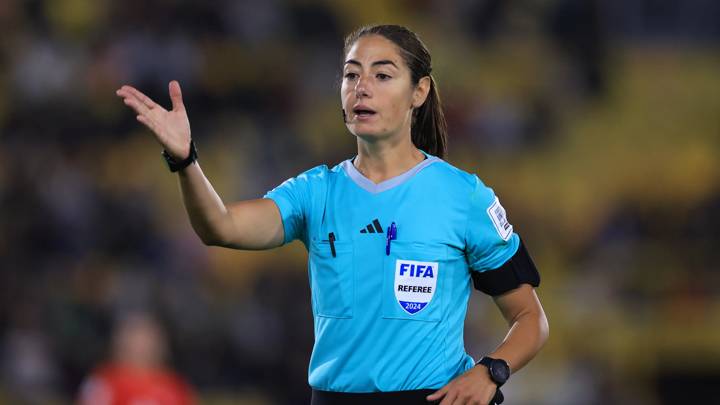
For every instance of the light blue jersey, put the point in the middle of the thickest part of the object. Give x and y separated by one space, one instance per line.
392 320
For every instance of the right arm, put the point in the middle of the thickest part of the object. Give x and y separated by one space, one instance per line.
252 224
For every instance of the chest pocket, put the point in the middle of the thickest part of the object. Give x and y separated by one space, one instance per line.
332 279
413 283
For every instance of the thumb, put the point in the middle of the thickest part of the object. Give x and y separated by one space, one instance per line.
176 96
438 394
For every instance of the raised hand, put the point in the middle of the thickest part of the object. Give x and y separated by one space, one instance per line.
171 128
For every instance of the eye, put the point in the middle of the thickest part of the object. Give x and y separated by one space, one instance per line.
382 76
351 75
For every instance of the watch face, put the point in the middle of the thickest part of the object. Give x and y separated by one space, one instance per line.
500 371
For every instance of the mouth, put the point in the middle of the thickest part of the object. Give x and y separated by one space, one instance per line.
363 112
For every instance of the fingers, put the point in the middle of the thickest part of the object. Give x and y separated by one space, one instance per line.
142 98
132 100
450 398
176 96
147 122
438 394
136 105
457 396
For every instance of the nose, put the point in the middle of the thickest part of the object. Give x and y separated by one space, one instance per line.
361 87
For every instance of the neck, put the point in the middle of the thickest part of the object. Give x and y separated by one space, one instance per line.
380 161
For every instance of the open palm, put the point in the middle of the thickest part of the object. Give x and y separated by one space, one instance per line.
171 128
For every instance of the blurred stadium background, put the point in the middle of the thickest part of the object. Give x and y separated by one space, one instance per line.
597 123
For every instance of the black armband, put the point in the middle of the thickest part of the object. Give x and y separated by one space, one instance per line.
519 269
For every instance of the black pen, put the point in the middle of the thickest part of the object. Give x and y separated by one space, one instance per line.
331 238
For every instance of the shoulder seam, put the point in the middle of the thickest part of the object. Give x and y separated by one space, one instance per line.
466 177
467 213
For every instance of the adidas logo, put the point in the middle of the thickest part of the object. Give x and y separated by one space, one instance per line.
374 227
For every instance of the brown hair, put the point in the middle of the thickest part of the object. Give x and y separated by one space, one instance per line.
429 129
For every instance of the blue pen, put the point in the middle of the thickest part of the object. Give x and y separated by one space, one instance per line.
391 235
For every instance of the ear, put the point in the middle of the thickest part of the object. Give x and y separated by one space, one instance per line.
421 92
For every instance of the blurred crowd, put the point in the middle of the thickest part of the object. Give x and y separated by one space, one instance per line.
595 122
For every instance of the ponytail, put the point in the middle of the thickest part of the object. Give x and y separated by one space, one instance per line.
429 129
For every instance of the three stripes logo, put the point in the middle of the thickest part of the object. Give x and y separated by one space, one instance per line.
373 227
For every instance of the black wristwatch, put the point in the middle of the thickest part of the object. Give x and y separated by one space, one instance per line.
498 368
174 165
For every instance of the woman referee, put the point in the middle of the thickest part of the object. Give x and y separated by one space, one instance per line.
396 236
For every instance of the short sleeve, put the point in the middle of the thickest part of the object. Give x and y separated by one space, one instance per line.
489 237
293 198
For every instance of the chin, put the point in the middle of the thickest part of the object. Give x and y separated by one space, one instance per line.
365 133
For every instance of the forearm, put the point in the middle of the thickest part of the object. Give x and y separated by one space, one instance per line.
208 214
528 333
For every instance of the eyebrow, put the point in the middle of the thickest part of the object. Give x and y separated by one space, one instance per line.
376 63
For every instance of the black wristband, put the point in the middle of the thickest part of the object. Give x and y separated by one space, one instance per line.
174 165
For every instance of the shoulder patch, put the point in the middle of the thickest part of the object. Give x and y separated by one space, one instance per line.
499 219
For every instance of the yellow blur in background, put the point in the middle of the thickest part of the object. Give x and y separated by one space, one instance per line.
597 124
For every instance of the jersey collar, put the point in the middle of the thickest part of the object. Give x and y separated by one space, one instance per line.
366 184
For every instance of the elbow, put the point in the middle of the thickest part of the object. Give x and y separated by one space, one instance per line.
208 241
212 240
543 329
213 235
538 323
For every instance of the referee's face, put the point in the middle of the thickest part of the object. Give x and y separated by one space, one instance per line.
377 92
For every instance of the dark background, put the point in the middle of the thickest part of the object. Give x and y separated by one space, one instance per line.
596 122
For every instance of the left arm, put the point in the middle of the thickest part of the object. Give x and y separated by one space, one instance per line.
529 328
528 332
